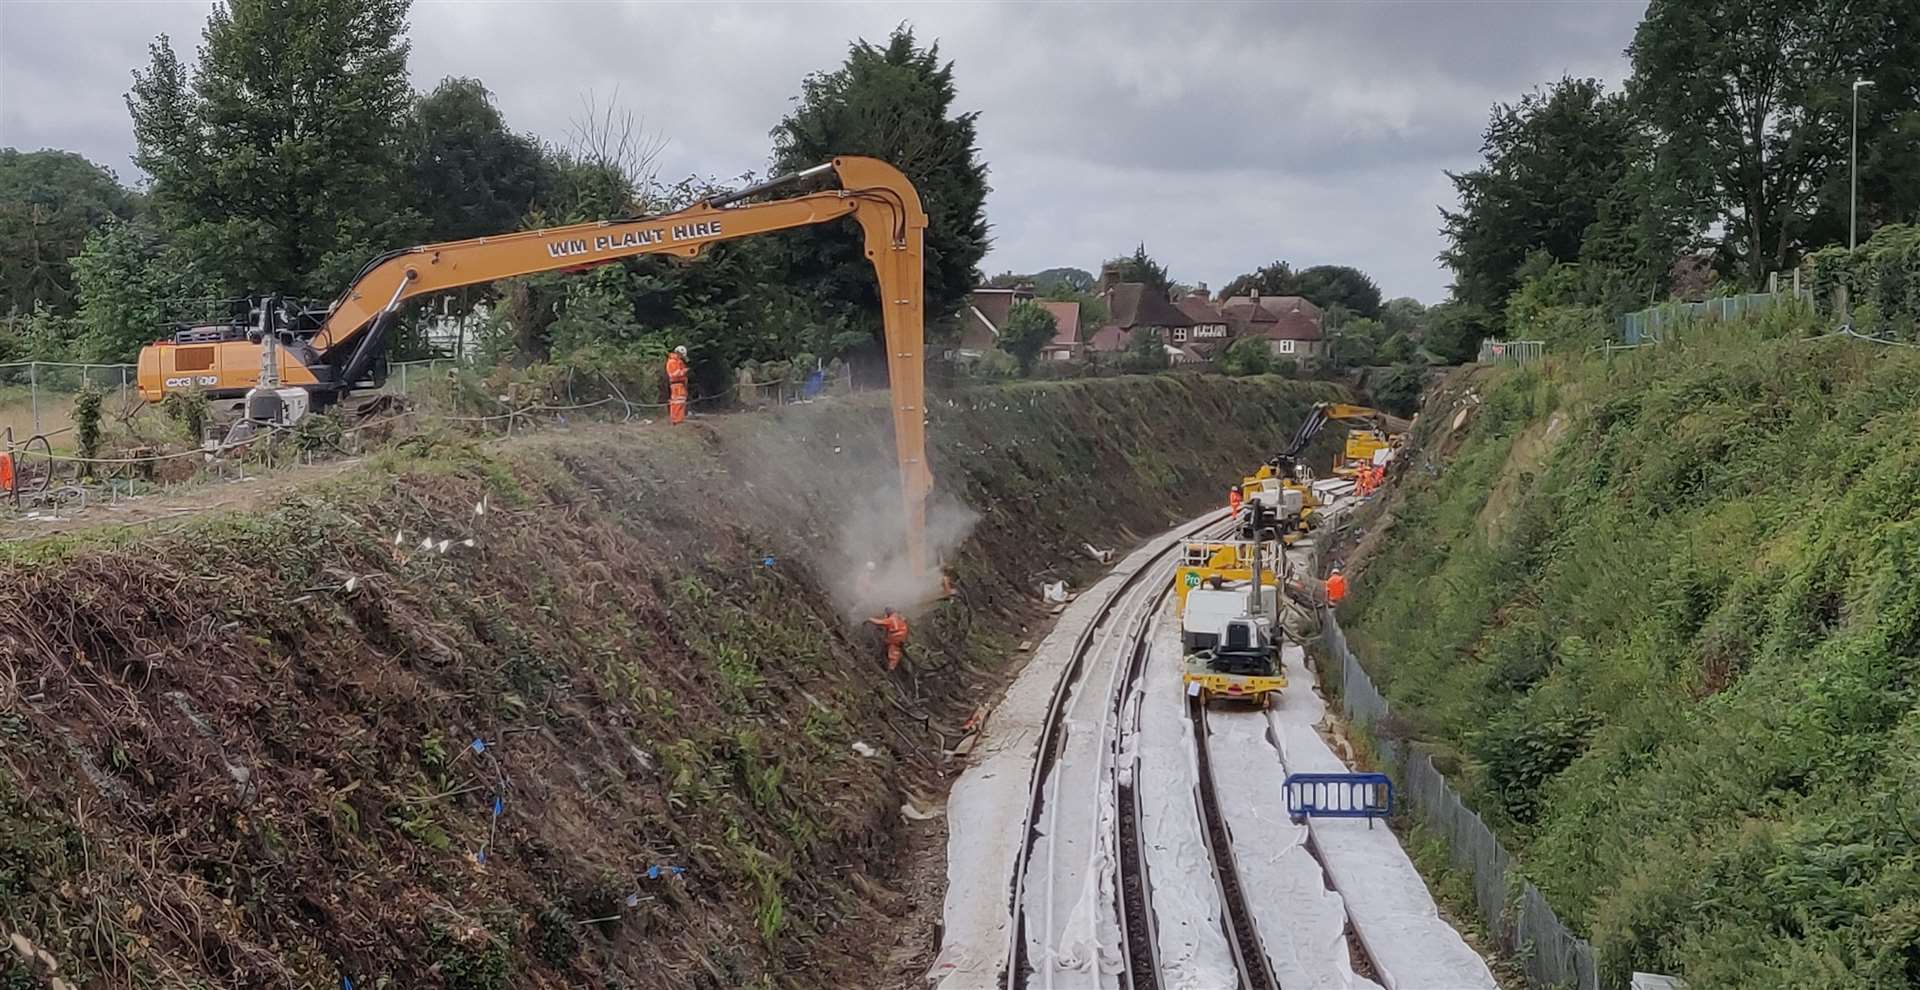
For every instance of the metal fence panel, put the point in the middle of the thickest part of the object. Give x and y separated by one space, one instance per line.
1658 323
1551 954
1511 351
50 385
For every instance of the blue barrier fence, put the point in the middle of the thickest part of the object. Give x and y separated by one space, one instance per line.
1338 795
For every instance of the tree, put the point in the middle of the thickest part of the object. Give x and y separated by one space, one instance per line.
1276 279
1455 329
471 175
1029 329
1398 349
1339 285
49 202
1247 356
1355 345
277 167
1752 102
1054 280
1144 352
893 102
131 282
1398 390
1140 267
1403 315
1093 309
1323 285
1551 159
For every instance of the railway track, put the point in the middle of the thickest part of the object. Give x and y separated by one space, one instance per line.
1133 605
1243 939
1096 694
1134 891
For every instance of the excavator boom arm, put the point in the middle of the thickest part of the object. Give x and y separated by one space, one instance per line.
872 192
402 275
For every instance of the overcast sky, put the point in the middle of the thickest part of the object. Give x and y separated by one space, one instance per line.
1224 135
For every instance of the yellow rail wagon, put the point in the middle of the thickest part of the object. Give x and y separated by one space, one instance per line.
1228 598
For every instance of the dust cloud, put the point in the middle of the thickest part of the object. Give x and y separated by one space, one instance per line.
845 484
871 538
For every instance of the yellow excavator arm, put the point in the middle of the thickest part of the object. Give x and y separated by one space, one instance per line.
342 351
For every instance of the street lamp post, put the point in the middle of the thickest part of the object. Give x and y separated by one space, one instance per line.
1853 192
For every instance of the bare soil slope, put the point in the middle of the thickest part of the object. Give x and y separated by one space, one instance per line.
610 742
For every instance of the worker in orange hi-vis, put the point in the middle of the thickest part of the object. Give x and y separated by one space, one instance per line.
1233 500
677 385
1336 587
894 625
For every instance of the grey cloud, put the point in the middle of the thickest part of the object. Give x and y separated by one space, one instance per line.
1224 135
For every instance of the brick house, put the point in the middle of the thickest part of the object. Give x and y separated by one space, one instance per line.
1066 343
987 312
1209 334
1291 325
1132 307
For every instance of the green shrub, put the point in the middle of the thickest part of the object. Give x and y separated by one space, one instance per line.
86 421
1882 279
1247 356
191 410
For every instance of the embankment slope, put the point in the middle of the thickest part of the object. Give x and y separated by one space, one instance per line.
1663 616
285 748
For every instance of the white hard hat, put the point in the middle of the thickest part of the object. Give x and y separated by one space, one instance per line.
681 350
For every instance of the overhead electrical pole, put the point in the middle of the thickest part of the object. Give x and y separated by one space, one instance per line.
1853 193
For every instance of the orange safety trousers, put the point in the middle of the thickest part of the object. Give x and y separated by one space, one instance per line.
677 403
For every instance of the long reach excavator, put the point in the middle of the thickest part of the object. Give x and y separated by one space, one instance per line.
282 363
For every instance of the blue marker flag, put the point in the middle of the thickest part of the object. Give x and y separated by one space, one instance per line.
498 806
479 745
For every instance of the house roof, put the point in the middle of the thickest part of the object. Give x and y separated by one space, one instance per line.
1134 304
993 304
1109 339
1273 317
1066 322
1199 311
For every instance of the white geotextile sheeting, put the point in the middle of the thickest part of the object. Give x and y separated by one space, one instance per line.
1302 923
1186 901
986 808
1393 912
1073 929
